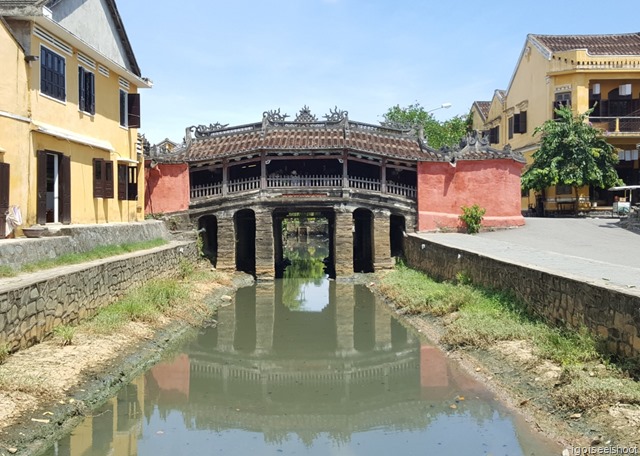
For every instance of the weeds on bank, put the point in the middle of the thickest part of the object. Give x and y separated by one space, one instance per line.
100 252
478 317
146 304
7 271
64 334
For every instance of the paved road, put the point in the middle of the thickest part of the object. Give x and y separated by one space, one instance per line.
594 250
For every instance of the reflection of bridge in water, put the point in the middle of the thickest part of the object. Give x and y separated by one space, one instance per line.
345 373
349 367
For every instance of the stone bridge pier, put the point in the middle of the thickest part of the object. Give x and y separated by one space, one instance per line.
250 239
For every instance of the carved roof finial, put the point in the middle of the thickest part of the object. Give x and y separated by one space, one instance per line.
305 116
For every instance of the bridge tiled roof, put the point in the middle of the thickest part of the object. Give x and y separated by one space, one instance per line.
290 138
337 133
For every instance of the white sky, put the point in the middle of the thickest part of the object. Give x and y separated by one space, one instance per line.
229 61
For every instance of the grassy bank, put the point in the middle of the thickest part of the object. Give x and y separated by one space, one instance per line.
134 317
480 318
100 252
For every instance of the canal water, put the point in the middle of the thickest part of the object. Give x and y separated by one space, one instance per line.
304 366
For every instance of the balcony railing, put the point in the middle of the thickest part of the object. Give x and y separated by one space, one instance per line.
625 124
301 182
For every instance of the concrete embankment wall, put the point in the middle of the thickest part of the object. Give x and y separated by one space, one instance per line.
31 305
65 239
608 312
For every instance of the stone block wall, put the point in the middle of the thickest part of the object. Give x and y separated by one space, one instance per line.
608 312
31 305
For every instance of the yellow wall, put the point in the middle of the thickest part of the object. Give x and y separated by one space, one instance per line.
14 106
20 95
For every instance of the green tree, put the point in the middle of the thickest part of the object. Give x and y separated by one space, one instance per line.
572 153
437 134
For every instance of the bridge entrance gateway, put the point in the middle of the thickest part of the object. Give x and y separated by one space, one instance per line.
372 184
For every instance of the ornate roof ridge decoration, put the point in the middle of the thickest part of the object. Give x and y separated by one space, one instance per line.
305 116
273 116
476 146
336 115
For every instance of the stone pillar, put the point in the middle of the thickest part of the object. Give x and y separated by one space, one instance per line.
382 240
265 263
343 235
383 328
345 319
265 318
226 242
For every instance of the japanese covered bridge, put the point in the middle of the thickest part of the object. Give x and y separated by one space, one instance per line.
372 183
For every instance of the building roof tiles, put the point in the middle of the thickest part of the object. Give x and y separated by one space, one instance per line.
617 44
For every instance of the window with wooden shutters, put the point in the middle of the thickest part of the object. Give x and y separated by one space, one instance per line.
102 178
52 74
510 122
522 122
133 110
124 109
122 182
561 99
132 183
86 91
127 182
494 135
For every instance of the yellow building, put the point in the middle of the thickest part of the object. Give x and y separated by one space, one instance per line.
69 114
581 71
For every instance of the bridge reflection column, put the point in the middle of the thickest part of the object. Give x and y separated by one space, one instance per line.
343 246
345 319
382 328
382 240
265 318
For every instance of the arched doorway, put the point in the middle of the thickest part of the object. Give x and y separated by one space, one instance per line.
397 229
362 240
208 232
245 230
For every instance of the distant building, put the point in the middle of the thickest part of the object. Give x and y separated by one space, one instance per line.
582 71
69 113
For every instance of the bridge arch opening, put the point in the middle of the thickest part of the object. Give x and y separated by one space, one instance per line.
302 242
363 240
397 230
245 238
208 231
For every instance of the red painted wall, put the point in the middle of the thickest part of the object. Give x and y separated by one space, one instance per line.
167 188
444 189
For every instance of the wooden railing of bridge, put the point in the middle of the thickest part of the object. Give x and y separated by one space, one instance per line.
239 186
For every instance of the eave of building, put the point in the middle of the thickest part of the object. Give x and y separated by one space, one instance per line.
61 133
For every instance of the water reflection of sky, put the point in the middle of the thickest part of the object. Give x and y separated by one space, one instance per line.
460 434
313 297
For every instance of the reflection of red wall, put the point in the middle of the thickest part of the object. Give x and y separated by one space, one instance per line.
173 377
433 367
492 184
167 188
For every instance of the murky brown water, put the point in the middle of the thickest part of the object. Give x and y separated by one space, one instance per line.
304 367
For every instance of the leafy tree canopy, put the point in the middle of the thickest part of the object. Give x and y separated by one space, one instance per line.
572 153
437 134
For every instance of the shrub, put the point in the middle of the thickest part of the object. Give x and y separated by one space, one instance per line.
472 217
